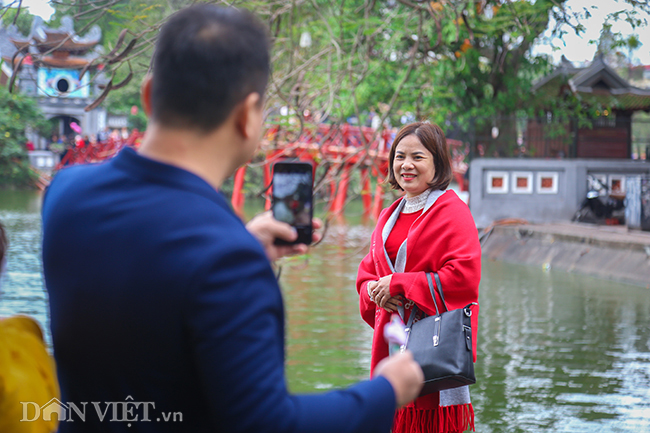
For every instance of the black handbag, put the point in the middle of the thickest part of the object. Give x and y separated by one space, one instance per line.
442 345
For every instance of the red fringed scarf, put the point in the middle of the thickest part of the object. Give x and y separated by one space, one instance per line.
444 240
444 419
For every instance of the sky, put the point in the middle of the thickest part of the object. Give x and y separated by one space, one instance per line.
41 8
576 49
579 50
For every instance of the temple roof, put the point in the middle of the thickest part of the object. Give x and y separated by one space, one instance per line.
7 48
63 39
65 63
594 85
51 47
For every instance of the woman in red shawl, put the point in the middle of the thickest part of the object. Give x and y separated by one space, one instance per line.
429 229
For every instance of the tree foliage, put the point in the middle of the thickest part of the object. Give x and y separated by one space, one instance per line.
447 61
459 63
19 17
17 113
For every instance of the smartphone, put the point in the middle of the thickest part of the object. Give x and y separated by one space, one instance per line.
292 200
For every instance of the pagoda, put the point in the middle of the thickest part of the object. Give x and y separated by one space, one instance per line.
56 67
600 89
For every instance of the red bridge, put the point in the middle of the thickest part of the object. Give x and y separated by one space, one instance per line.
339 148
98 151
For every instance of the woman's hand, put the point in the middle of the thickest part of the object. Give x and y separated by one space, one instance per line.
380 291
392 304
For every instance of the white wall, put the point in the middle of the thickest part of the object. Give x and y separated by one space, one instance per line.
535 203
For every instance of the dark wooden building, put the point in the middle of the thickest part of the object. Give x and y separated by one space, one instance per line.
610 101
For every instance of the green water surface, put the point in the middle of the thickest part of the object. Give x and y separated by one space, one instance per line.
557 352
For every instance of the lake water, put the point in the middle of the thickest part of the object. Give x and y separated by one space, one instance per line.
557 352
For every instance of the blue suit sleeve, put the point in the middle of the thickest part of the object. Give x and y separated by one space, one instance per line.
236 327
365 407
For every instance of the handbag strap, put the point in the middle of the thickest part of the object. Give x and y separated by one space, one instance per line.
439 286
415 307
433 295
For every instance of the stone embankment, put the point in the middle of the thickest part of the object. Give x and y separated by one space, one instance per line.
611 252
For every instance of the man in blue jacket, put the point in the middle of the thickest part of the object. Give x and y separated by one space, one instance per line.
165 313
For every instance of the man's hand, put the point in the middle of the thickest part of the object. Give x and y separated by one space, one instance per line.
266 229
404 374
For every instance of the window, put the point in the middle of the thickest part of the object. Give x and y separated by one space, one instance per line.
522 182
497 182
547 182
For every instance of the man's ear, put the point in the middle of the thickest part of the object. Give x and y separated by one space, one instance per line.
249 116
145 94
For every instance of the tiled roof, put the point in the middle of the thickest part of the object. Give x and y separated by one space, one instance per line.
7 49
625 102
67 45
597 85
69 63
43 38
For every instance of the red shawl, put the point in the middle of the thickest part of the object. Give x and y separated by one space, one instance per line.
443 240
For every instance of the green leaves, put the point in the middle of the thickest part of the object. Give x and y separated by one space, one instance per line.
17 113
439 60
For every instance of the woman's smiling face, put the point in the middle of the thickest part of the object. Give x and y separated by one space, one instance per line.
413 166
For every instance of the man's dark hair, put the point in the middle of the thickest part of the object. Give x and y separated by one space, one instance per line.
208 59
433 139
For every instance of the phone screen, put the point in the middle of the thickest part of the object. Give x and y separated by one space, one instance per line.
293 198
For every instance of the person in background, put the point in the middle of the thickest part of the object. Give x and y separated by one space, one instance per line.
158 292
102 135
429 229
27 371
53 145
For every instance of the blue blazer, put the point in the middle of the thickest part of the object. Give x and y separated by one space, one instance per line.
166 315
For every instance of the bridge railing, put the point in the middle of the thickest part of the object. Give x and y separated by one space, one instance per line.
335 135
98 151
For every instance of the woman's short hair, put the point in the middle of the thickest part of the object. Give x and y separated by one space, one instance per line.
433 139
